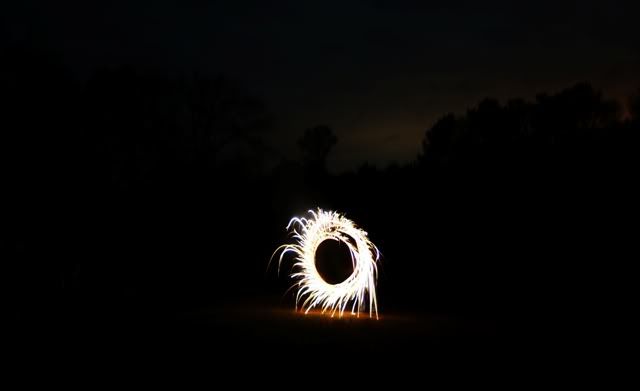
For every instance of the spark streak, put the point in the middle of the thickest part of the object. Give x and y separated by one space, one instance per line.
313 291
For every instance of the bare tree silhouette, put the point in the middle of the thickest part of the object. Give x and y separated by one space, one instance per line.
315 144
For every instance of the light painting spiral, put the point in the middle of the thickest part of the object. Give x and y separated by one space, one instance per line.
356 292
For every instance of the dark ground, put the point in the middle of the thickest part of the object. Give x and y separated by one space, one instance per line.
268 340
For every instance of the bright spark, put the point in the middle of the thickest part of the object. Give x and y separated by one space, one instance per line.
313 291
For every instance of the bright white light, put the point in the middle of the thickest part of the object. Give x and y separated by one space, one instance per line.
313 290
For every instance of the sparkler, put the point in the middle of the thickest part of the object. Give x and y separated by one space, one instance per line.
313 291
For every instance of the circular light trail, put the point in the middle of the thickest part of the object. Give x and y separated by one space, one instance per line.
358 290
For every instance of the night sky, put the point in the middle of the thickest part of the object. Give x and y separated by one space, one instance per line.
378 72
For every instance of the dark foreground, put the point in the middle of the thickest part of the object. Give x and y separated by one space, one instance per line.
261 336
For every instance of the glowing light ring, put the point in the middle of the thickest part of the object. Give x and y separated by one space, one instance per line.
313 291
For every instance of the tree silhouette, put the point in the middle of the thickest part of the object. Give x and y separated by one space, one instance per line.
315 144
222 114
151 128
438 141
497 136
